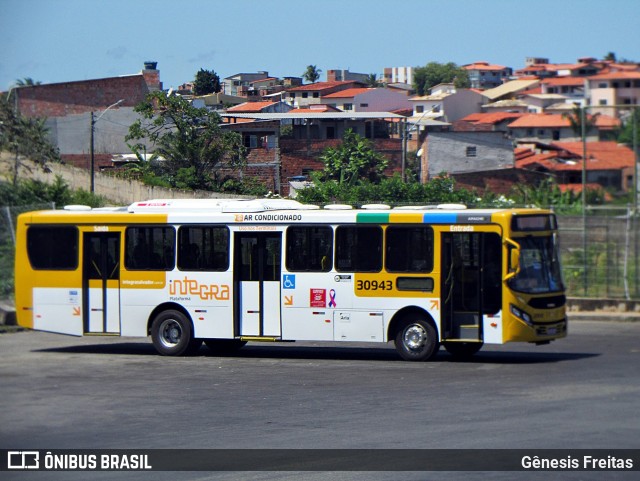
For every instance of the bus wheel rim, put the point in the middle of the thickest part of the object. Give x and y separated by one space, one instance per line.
415 337
170 332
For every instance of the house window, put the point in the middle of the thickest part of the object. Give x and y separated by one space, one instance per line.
292 95
251 141
555 135
541 132
305 95
364 105
472 151
530 132
602 102
419 109
347 107
316 95
602 85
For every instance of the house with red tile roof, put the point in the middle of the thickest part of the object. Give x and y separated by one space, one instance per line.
555 127
584 67
367 100
569 86
613 88
488 122
484 75
313 93
609 164
260 107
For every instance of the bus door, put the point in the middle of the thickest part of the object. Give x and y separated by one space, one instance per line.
101 283
471 282
257 284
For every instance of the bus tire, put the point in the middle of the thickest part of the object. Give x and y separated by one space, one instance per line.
417 339
224 346
172 334
462 350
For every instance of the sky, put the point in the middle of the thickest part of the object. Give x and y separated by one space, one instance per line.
66 40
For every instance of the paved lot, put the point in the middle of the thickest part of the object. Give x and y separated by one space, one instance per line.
68 393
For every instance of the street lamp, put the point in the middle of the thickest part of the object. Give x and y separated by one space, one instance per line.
93 128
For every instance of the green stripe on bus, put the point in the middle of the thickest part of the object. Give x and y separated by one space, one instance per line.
372 218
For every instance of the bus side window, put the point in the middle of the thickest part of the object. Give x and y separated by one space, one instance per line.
409 249
309 248
203 248
359 248
53 247
150 247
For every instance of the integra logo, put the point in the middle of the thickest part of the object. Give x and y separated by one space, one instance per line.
205 292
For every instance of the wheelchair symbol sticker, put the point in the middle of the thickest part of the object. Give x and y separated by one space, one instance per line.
289 281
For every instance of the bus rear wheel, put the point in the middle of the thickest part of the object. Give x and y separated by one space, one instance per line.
172 334
462 350
417 340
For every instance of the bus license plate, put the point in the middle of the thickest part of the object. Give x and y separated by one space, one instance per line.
552 331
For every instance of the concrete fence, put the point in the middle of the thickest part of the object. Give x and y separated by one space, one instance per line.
117 191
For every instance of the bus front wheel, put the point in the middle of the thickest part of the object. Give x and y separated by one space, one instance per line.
417 340
172 334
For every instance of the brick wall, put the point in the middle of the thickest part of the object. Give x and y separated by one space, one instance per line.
60 99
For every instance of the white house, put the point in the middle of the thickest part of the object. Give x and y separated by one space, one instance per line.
367 100
447 103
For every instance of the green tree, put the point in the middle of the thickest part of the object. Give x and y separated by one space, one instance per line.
575 119
206 82
434 73
352 160
25 137
27 82
312 74
548 194
626 133
372 80
389 190
190 147
610 56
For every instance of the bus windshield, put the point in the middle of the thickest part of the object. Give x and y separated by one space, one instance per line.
539 266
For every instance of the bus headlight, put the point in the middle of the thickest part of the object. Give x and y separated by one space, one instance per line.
520 314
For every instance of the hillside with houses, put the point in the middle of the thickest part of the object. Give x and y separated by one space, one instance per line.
510 126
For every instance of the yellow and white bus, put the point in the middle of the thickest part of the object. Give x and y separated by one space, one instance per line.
230 271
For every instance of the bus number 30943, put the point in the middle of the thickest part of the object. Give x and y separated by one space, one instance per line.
374 285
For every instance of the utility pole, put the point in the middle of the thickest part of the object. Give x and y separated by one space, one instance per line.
94 120
583 130
91 172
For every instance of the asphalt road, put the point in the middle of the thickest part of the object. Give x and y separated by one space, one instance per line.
61 392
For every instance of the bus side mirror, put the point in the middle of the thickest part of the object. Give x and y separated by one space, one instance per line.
514 259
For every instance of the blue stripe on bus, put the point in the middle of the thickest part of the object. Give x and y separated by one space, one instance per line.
440 218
